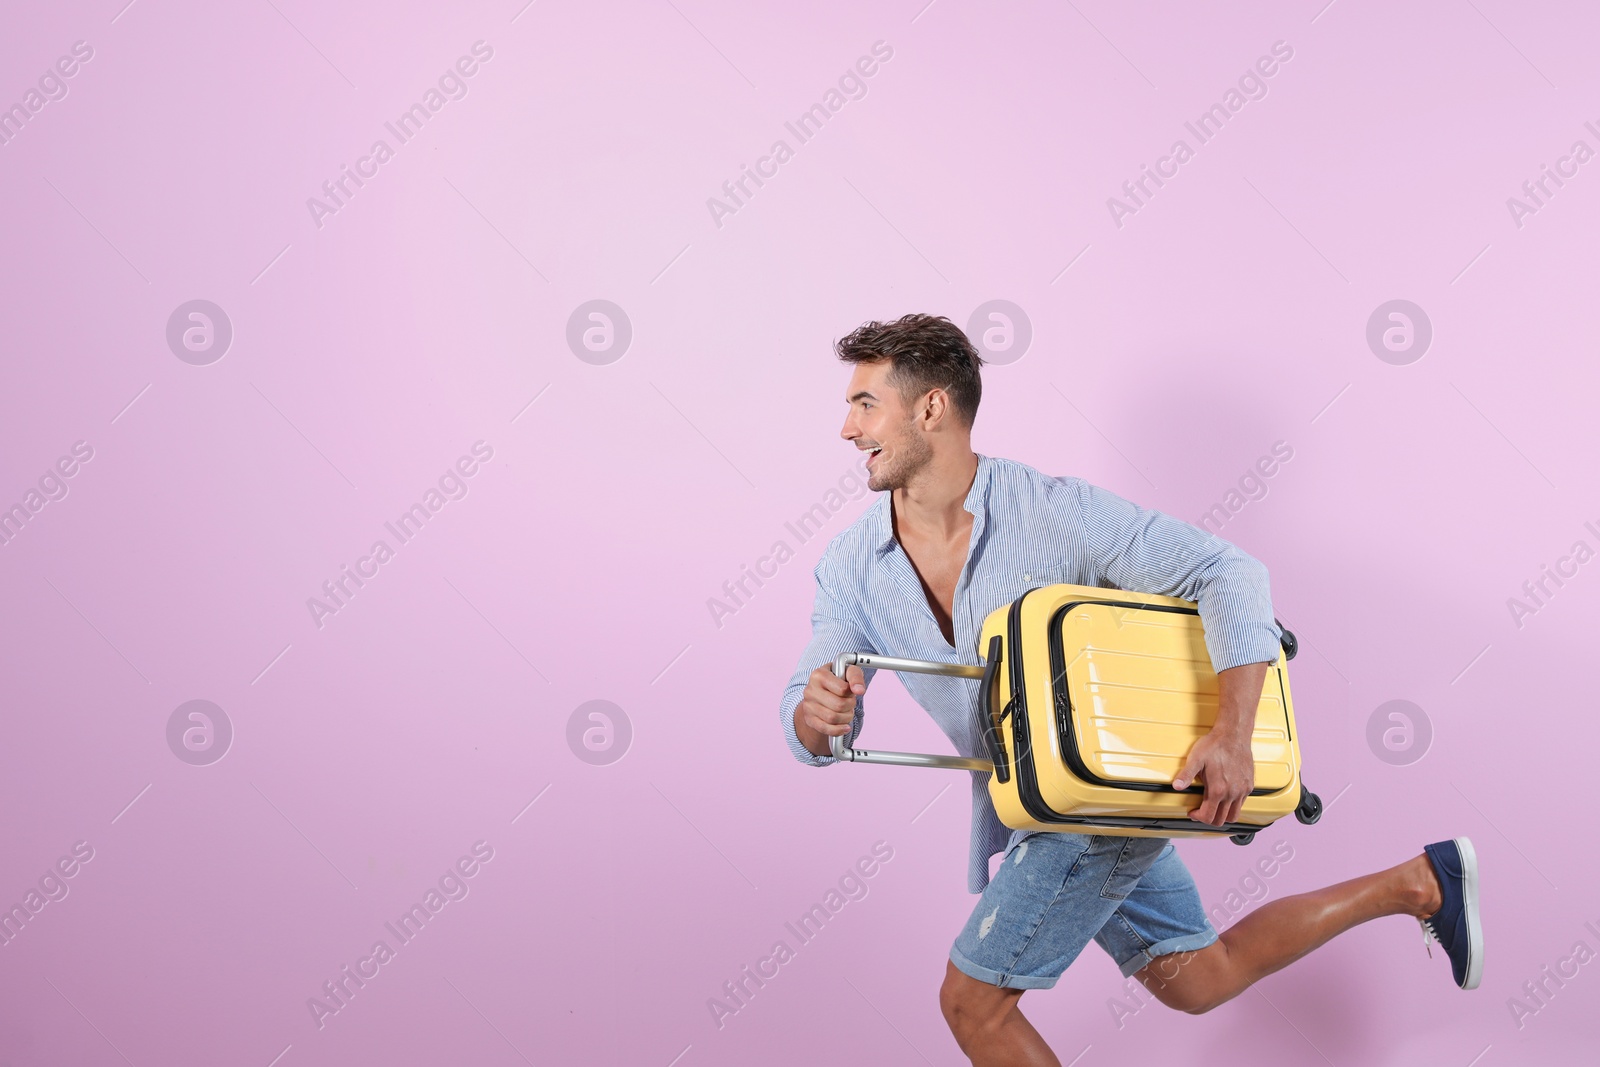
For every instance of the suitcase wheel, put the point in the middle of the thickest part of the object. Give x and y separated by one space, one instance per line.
1243 839
1291 644
1310 809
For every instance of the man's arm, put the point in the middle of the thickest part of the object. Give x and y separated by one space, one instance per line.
834 629
1141 549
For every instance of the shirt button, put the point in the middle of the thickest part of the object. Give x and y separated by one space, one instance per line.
1027 577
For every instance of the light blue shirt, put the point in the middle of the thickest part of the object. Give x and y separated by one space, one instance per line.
1028 529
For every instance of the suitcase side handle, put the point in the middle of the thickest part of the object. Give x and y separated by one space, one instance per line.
991 721
842 751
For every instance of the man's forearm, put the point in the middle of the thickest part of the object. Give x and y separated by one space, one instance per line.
1238 698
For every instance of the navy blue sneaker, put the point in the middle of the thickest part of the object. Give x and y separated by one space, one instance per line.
1455 926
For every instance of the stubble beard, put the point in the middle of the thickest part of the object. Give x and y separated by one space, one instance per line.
902 465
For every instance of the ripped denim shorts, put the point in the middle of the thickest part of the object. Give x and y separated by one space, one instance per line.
1055 891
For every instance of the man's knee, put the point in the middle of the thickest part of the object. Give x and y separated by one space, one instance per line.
972 1007
1186 997
1178 982
1191 1001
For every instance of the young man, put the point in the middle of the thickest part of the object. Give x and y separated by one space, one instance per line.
959 534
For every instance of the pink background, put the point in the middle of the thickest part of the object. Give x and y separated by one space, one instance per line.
368 354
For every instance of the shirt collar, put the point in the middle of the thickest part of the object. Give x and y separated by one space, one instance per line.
977 497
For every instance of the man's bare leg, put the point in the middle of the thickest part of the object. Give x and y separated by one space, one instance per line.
987 1024
1277 934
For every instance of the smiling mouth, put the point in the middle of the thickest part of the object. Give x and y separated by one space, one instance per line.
872 454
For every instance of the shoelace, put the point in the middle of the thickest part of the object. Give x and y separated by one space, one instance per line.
1429 938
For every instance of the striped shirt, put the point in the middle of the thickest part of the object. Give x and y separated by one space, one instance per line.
1028 529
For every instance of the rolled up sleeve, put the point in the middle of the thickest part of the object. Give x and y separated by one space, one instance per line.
1148 551
833 630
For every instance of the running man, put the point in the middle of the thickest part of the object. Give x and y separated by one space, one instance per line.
959 534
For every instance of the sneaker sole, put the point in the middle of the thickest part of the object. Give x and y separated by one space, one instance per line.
1469 900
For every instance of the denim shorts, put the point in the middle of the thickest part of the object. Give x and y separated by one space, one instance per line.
1055 891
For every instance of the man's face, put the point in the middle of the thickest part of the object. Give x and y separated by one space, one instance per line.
879 418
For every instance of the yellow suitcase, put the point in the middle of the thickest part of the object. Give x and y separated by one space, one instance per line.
1092 699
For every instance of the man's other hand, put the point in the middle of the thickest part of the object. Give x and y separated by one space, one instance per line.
1229 771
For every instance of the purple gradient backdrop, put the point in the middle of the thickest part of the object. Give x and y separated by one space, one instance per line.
371 351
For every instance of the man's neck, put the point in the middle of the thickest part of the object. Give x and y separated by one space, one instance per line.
932 507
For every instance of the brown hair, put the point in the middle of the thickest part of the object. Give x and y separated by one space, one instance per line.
925 352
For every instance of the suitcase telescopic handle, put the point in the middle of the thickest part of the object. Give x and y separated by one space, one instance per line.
841 750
